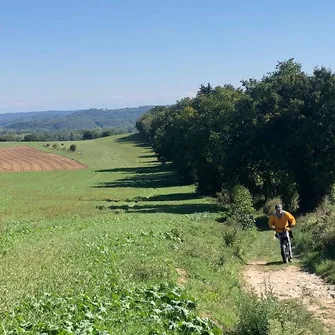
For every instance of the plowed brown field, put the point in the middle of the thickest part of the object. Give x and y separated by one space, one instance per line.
29 159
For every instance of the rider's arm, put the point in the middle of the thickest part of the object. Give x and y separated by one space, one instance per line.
290 218
271 222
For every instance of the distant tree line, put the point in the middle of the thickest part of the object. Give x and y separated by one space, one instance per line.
77 135
69 121
275 136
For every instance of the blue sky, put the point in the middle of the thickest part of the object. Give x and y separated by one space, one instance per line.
72 54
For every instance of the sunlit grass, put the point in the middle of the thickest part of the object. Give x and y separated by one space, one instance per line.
122 224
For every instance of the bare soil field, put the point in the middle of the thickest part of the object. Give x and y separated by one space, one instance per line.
25 158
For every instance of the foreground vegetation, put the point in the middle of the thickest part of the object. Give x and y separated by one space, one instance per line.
121 248
315 240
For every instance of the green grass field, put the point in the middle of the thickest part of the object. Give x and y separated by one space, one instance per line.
118 248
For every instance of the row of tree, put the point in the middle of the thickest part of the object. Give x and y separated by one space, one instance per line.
275 136
77 135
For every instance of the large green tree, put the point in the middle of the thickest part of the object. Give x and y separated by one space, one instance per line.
275 135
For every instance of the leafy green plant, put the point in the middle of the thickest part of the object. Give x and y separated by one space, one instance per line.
165 308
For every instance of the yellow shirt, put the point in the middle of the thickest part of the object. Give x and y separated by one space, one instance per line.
281 221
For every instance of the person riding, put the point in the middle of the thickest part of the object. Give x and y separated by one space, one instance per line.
280 220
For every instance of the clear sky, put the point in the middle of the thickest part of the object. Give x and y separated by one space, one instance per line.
72 54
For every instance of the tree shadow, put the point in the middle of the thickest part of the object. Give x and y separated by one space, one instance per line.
158 180
148 156
134 138
158 198
140 170
174 209
261 223
273 263
172 197
152 162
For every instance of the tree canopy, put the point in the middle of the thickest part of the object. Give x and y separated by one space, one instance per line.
276 135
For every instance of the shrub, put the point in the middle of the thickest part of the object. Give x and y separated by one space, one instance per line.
268 316
55 146
73 147
332 195
254 316
315 239
90 134
106 133
239 204
224 197
269 206
241 211
230 237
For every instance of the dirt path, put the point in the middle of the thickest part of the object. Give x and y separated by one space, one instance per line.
289 281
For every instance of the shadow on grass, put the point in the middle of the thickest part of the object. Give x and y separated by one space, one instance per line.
157 176
134 138
148 156
149 181
140 170
162 197
174 209
173 197
262 223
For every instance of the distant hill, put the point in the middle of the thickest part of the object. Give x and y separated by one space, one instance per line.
72 120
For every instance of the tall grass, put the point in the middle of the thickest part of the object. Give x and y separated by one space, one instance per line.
315 240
